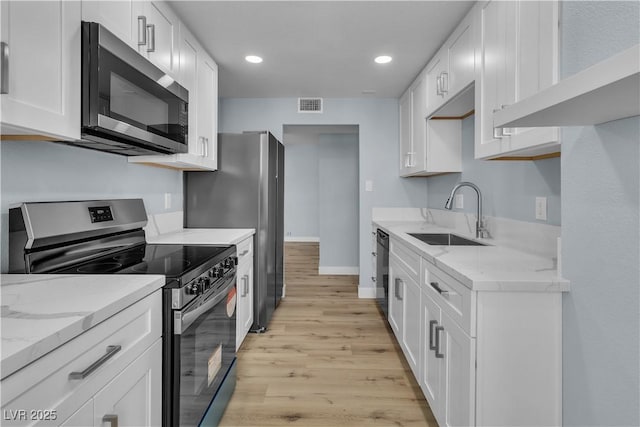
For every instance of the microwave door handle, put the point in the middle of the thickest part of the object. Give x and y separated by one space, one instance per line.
184 319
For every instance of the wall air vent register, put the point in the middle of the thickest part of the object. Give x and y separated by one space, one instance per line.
309 105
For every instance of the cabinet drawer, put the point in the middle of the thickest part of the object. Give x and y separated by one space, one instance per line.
453 297
244 251
407 258
46 385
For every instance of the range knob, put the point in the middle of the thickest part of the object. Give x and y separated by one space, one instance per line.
235 261
205 283
193 288
217 272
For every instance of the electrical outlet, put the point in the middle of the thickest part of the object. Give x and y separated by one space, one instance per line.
167 200
288 233
541 208
459 201
368 185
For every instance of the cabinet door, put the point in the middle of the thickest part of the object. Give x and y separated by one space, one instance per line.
435 96
431 367
42 66
411 323
518 59
406 146
244 317
461 55
189 79
396 292
83 417
458 387
208 108
162 33
418 125
120 17
134 396
495 85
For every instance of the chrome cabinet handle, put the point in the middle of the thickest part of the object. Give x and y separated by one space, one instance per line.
432 346
398 283
112 419
142 30
445 83
111 351
151 32
246 251
437 349
438 84
206 147
4 54
435 285
246 284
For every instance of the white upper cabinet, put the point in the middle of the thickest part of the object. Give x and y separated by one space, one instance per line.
199 75
453 68
161 37
518 58
124 18
40 69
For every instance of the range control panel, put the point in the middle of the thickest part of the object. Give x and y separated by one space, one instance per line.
101 214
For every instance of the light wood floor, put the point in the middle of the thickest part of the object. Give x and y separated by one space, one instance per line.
327 359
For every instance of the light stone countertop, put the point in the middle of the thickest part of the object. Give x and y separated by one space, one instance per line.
40 312
203 236
481 268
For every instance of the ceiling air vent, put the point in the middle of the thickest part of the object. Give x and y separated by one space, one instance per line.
309 105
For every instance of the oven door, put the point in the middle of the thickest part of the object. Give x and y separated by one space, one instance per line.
126 97
204 349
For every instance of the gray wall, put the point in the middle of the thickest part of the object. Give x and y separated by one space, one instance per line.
46 171
301 185
321 191
600 234
378 147
338 200
509 188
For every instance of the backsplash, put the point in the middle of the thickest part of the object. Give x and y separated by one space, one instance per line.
45 171
537 239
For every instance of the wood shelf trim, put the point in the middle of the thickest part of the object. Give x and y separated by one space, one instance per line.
529 158
601 93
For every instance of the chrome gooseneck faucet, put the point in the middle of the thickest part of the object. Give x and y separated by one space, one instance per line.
480 230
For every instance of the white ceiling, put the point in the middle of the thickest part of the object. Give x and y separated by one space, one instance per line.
319 48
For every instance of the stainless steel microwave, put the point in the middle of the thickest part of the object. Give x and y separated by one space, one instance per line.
129 106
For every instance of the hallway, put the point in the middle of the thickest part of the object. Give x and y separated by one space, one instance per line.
328 359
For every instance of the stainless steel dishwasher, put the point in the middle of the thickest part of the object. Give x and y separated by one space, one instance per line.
382 270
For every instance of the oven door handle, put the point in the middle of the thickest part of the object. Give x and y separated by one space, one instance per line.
184 318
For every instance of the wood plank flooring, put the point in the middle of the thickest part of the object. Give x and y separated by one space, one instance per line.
328 359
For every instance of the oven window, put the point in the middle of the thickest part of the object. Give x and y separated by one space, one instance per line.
129 96
207 349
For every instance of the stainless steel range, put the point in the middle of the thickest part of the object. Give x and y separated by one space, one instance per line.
199 297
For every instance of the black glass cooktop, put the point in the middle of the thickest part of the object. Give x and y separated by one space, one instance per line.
173 261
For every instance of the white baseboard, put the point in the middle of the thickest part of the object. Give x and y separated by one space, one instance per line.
366 292
342 271
301 239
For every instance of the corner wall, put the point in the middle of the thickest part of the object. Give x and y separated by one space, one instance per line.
600 233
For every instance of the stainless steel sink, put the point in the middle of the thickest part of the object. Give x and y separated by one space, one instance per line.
447 239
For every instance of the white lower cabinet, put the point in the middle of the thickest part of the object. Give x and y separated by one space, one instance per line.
244 288
109 375
481 358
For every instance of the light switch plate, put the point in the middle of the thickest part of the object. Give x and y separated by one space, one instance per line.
541 208
368 185
167 200
459 201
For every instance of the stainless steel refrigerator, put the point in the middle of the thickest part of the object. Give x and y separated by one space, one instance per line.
246 192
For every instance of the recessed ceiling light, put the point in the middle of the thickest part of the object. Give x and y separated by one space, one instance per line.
383 59
253 59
